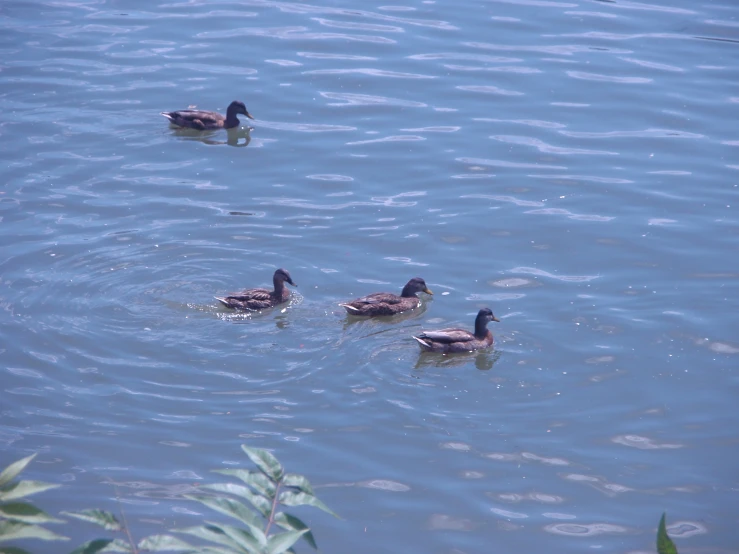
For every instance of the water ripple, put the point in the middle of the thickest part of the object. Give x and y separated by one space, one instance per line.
505 163
330 56
464 56
498 69
353 99
305 127
564 278
626 5
584 530
562 50
646 133
291 33
298 8
489 89
654 65
502 198
369 71
570 215
528 122
394 138
607 78
361 26
548 148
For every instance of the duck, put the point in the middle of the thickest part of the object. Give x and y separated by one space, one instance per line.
203 120
260 299
387 303
459 340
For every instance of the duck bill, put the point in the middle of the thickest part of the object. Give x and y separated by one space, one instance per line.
428 291
247 114
292 283
496 319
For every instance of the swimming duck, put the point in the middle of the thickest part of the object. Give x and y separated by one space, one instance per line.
260 299
459 340
387 303
202 120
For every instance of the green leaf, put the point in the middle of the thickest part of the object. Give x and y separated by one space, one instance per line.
286 521
27 513
265 462
258 501
12 530
21 489
211 533
292 498
258 481
297 481
244 538
100 517
13 550
118 545
283 541
164 543
92 547
214 550
664 542
14 469
234 509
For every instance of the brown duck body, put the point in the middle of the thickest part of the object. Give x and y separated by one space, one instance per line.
387 303
260 299
202 120
459 340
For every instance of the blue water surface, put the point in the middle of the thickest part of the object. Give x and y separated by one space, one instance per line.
572 165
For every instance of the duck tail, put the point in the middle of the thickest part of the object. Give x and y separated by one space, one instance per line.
424 345
222 300
168 115
349 308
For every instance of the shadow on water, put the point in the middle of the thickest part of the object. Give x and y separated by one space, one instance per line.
484 360
238 136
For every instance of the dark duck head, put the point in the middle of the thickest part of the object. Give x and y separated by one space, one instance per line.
484 316
415 286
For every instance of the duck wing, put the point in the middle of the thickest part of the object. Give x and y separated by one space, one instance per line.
199 119
447 336
378 298
253 299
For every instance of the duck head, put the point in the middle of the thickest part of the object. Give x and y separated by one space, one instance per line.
283 276
237 107
414 286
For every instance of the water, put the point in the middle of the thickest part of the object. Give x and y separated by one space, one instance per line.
570 164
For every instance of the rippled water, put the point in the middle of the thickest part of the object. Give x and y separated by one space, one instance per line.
572 165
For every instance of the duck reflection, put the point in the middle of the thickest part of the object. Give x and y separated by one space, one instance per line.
238 136
484 360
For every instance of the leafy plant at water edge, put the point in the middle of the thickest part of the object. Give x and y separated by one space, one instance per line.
21 520
265 490
664 542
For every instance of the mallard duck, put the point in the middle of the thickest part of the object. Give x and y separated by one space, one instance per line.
260 299
202 120
387 303
459 340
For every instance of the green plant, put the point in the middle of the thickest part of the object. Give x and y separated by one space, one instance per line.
664 542
21 520
266 490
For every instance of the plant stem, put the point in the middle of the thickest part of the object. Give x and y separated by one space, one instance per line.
125 523
272 512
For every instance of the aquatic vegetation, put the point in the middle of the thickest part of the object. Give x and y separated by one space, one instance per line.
265 491
21 520
664 542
